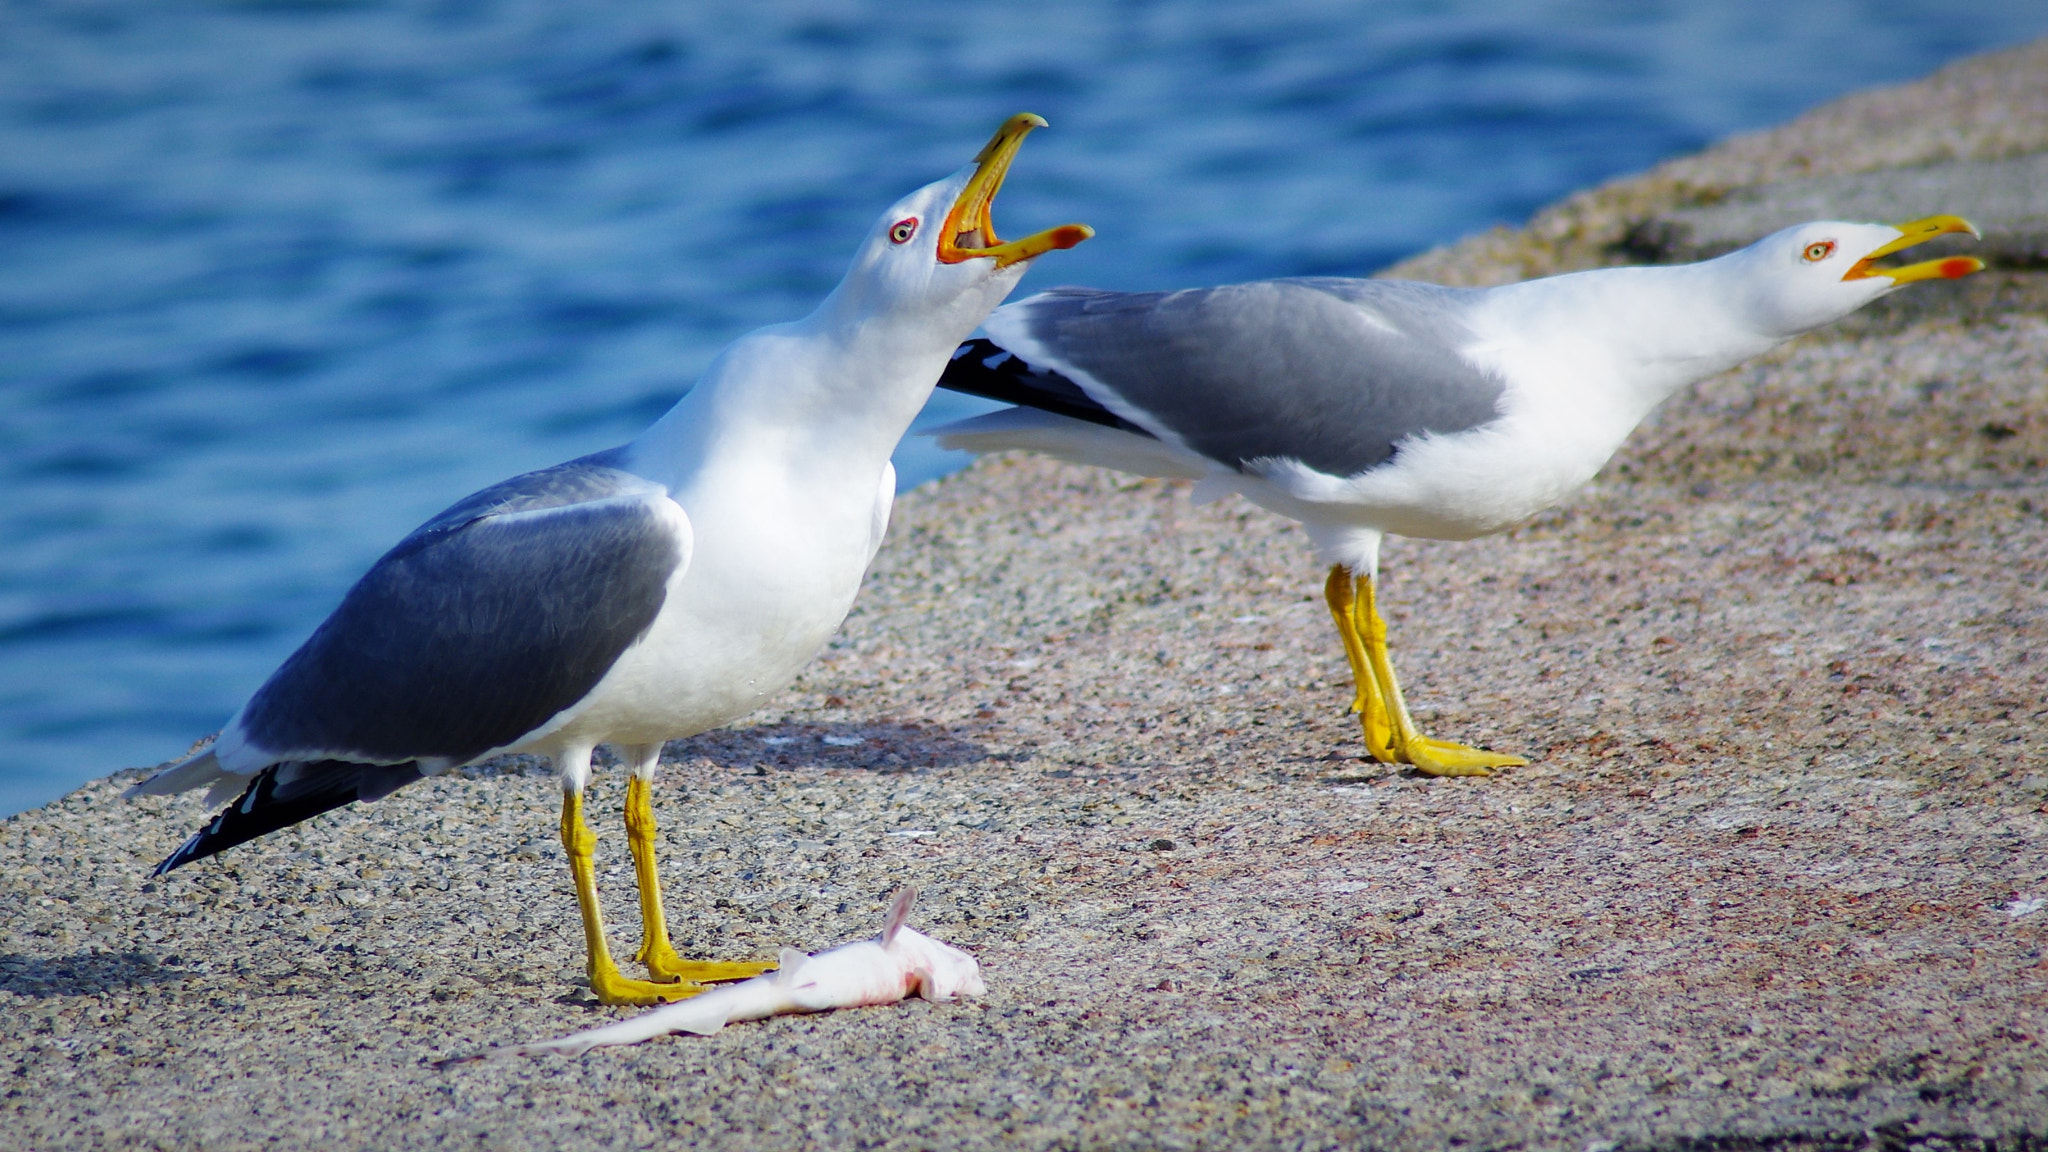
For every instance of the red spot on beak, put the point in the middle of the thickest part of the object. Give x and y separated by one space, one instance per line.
1957 268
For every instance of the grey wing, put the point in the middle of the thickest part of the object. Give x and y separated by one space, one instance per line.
1333 373
479 627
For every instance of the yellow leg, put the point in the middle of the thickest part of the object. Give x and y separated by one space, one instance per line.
655 950
1366 702
605 980
1391 734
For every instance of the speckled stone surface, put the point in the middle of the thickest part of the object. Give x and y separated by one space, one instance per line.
2004 198
1777 877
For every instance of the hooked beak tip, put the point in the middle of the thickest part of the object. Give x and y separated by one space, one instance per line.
970 219
1911 234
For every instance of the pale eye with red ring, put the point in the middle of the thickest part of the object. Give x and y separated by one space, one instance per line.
1818 251
901 231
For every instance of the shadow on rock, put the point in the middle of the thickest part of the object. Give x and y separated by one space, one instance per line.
83 973
877 747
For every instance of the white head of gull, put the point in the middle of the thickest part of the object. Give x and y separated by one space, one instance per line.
641 594
1367 407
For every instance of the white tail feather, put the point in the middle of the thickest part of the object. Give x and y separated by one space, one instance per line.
1065 438
197 770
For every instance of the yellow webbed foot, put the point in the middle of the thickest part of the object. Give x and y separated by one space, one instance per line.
655 950
665 965
683 979
1381 740
613 988
1391 735
1446 758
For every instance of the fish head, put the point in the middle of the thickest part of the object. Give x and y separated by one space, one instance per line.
936 970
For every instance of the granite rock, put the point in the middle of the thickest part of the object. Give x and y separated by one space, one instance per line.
1776 878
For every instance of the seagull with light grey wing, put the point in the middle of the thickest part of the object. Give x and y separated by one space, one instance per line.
1367 407
637 595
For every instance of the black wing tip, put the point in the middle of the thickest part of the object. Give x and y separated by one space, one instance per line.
321 787
186 853
982 367
208 840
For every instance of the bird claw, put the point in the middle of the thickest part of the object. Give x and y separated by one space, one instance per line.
1448 758
615 989
674 979
666 967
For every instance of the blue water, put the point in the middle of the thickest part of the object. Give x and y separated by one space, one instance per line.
279 280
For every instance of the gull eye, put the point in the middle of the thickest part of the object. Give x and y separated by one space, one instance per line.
901 231
1818 251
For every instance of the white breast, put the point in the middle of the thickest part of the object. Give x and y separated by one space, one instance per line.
775 568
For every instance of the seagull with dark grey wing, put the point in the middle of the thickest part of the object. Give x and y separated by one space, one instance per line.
641 594
1368 407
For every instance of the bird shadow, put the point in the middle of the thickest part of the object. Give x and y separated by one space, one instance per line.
883 746
83 973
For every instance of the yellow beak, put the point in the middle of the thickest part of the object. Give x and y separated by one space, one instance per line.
969 233
1920 232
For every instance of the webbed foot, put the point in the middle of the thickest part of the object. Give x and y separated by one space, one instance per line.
665 966
1433 757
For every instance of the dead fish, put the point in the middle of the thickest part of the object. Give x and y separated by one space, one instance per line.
901 962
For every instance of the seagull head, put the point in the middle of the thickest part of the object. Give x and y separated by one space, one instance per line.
1811 274
935 253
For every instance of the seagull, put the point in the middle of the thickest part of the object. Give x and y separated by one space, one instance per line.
1367 407
640 594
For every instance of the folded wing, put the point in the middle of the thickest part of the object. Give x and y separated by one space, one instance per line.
471 635
1330 372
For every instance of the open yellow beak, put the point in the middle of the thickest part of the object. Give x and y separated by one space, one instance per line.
1920 232
970 234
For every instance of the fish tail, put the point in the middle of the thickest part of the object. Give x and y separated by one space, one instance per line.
700 1015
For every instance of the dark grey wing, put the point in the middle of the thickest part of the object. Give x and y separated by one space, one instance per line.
482 625
598 476
1333 373
474 631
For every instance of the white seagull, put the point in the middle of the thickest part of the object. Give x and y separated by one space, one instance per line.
1368 407
640 594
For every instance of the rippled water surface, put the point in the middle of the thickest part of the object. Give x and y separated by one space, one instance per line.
279 280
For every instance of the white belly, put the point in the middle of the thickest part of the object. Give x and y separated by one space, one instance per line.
768 583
